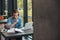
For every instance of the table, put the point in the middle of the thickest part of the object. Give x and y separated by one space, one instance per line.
16 35
3 21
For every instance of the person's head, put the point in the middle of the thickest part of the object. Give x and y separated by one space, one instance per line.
15 14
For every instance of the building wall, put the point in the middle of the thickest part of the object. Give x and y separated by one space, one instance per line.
46 17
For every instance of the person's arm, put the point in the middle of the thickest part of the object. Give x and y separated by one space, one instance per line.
12 25
9 24
20 23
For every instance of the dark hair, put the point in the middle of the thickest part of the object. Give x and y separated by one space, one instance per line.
15 11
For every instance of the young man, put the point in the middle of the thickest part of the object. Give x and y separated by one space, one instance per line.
15 21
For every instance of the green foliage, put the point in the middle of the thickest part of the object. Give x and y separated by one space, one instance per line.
20 3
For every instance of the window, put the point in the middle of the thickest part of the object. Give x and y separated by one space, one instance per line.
20 8
3 8
29 10
6 9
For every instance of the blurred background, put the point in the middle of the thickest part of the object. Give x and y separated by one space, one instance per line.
23 6
7 6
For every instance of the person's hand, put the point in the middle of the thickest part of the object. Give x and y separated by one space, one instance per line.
16 20
12 25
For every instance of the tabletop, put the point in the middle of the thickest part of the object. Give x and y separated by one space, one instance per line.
26 32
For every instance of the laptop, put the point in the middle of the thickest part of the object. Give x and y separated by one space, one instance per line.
28 25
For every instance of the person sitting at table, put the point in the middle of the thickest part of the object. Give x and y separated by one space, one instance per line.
14 21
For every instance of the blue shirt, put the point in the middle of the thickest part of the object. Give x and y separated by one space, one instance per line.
11 21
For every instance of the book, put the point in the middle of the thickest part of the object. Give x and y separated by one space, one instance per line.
13 30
